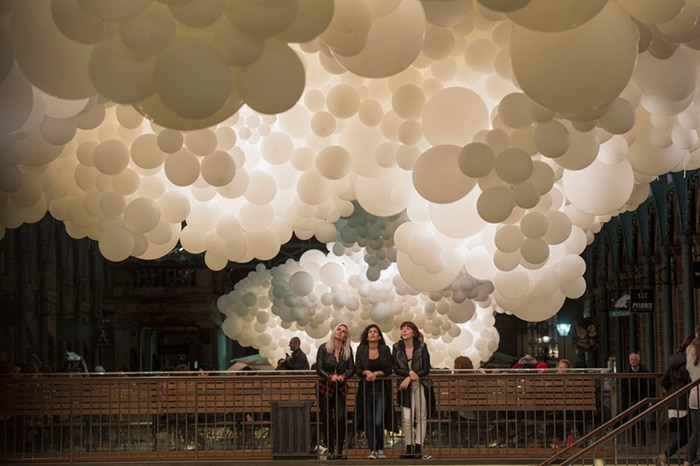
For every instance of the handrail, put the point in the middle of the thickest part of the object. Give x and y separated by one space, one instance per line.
238 416
659 403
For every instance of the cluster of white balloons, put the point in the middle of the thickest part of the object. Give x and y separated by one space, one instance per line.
310 297
502 133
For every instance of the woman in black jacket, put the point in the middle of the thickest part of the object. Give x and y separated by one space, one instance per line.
334 364
373 363
676 377
412 362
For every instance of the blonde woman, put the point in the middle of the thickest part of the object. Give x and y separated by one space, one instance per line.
334 364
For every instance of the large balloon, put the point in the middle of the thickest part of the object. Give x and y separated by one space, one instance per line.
578 70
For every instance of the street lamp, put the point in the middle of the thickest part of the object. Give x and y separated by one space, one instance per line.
563 331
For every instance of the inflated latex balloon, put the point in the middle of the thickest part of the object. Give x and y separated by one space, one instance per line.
142 215
476 159
392 42
513 166
182 168
590 79
333 162
649 11
453 116
208 73
265 18
111 157
63 72
273 83
608 199
652 76
218 168
437 178
495 204
408 101
116 243
17 98
347 32
121 75
553 15
514 110
552 139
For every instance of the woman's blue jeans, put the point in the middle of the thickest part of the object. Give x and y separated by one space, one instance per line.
374 415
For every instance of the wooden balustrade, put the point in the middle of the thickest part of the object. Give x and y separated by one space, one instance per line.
155 416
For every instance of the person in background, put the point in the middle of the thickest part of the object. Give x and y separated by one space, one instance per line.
74 364
296 361
412 362
563 365
526 362
633 390
373 364
580 364
182 367
205 369
43 368
674 378
334 365
463 363
693 367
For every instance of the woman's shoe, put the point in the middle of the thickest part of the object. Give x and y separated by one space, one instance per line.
381 455
417 454
409 453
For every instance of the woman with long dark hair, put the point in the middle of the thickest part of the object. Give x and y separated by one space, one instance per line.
412 362
334 365
373 363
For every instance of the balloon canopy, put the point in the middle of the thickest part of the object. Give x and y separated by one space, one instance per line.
455 156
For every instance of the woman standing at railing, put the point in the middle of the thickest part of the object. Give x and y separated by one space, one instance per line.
373 363
412 361
693 366
334 364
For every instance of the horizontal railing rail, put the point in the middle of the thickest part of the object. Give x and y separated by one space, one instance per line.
521 414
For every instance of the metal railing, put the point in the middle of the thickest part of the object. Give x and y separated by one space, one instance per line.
631 424
515 415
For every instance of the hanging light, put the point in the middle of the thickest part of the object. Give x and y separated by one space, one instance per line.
563 329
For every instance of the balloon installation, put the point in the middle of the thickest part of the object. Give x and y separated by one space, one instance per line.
455 156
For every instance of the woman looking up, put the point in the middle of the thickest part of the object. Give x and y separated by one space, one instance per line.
334 364
412 362
373 363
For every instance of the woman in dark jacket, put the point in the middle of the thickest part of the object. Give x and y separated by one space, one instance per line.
412 362
373 363
334 364
676 377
